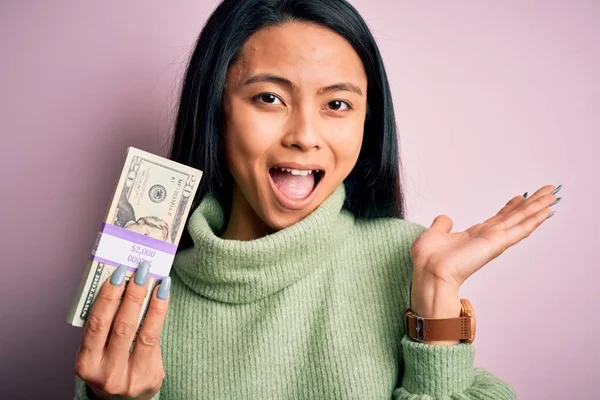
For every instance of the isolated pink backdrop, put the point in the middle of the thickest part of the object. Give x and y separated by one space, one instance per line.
493 99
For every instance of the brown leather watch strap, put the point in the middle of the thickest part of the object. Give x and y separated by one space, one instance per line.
432 329
437 329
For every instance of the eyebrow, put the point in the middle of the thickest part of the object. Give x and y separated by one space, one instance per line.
288 84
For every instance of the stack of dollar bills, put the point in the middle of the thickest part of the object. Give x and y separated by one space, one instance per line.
144 221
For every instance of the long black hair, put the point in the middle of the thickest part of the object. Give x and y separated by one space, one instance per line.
374 187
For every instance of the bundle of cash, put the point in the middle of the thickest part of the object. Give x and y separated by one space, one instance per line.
144 221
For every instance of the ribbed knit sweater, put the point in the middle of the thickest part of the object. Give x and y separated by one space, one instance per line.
313 311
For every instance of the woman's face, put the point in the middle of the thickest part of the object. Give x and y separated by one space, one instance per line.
295 103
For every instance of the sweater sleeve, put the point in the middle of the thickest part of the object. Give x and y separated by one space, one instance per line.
434 372
81 390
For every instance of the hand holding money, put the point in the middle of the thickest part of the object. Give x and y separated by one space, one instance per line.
119 356
104 360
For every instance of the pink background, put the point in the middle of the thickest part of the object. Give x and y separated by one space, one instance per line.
493 99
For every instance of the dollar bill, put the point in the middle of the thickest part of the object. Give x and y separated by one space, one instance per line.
144 221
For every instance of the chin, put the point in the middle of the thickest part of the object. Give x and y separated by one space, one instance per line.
278 220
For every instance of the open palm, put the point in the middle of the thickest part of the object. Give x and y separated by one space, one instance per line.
451 258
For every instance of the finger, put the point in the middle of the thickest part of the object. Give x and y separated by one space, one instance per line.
520 201
544 190
147 377
510 206
148 338
125 323
521 214
99 320
520 231
442 223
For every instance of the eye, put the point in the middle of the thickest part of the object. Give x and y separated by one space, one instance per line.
267 98
338 105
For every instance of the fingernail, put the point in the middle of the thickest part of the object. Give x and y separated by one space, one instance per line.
525 195
555 201
118 276
551 214
141 275
163 290
557 189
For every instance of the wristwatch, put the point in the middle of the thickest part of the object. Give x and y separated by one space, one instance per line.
428 329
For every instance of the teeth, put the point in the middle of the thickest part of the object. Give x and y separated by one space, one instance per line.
301 172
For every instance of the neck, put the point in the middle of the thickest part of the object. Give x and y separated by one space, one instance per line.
244 223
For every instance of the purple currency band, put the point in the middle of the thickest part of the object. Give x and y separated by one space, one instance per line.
134 237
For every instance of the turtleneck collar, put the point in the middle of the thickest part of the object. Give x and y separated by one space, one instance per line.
234 271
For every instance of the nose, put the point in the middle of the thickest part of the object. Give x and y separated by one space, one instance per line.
303 130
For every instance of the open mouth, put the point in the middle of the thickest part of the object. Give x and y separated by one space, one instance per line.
295 187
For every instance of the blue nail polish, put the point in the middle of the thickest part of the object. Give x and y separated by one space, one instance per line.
525 195
118 276
163 289
141 275
551 214
557 189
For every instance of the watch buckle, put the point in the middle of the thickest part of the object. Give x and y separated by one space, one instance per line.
419 328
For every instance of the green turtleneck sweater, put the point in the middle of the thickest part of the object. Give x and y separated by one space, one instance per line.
313 311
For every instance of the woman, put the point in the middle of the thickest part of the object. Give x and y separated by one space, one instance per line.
297 265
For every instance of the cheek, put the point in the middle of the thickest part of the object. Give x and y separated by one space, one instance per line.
346 151
249 135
